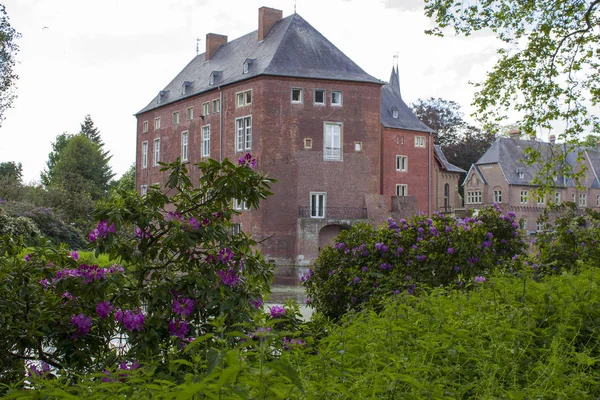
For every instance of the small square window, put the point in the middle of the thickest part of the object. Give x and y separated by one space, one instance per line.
244 98
190 113
205 108
402 190
357 146
145 127
541 200
336 98
419 141
296 95
307 143
216 104
176 117
524 196
319 96
241 205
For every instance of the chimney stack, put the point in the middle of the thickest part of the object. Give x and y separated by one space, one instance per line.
267 17
552 139
515 135
213 42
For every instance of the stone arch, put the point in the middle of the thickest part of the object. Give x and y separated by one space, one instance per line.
328 233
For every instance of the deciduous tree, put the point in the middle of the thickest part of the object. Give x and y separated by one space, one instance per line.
8 51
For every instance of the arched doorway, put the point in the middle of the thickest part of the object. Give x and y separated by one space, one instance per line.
328 233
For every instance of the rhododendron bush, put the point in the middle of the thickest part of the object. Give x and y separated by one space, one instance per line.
177 266
366 264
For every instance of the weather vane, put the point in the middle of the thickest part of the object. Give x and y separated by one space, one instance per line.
295 1
396 59
197 46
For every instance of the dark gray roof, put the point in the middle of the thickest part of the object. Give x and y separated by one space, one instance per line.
391 100
292 48
478 171
449 167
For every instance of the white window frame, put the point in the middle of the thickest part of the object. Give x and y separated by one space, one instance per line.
206 141
145 127
308 142
474 197
216 106
573 197
145 154
524 196
557 197
401 163
395 113
156 123
317 103
498 196
156 158
598 200
185 140
523 223
143 190
401 189
340 101
357 146
190 113
301 92
318 208
420 141
582 200
243 133
206 108
329 146
176 118
241 205
541 200
243 98
539 226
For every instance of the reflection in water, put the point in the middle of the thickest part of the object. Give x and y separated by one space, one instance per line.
287 286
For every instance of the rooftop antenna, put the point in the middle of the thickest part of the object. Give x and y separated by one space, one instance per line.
396 60
197 46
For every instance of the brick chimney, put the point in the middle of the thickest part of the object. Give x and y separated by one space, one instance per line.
552 139
267 17
515 135
213 41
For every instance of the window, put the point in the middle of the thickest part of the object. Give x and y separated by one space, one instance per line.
175 117
205 108
244 98
307 143
541 199
319 96
296 95
524 196
241 205
521 174
190 113
402 190
145 127
236 228
336 98
156 151
144 154
539 226
206 141
317 205
598 200
156 123
216 106
573 197
184 146
474 197
143 190
357 146
394 112
557 197
246 68
582 199
333 141
498 196
523 223
243 138
402 163
419 141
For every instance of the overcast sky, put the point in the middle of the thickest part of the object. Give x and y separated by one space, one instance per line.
110 58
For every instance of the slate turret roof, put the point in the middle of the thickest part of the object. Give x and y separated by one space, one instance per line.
292 48
444 161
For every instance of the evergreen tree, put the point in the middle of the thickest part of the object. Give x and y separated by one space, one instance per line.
90 131
57 146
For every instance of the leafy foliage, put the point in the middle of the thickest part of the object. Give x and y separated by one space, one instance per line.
126 182
443 116
366 263
57 146
8 52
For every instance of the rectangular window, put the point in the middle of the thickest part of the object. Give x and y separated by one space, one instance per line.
307 143
333 141
317 205
244 98
539 227
402 190
541 200
474 197
319 96
190 113
557 197
216 104
205 108
144 154
523 223
156 123
297 95
582 200
498 196
357 146
573 197
419 141
145 127
143 190
243 139
241 205
524 196
598 200
184 146
402 163
175 117
206 141
336 98
236 228
156 151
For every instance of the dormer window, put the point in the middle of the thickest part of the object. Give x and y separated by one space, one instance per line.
186 87
215 76
247 65
161 94
520 173
394 112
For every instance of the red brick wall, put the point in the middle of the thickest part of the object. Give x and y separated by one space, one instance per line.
420 166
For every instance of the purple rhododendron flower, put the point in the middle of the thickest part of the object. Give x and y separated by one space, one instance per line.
27 257
82 323
356 279
74 255
386 266
489 235
225 255
179 328
487 244
381 247
228 277
421 257
277 311
308 275
183 306
450 250
479 279
256 303
130 320
103 309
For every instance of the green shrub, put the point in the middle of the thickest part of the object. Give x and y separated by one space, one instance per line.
18 226
365 263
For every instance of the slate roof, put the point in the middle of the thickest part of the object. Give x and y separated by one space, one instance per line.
444 161
292 48
392 99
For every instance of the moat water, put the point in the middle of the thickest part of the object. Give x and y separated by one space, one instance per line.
287 286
